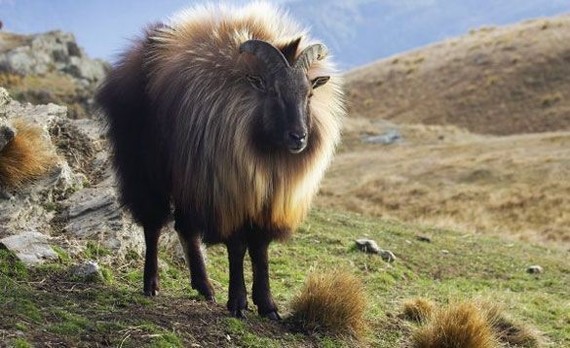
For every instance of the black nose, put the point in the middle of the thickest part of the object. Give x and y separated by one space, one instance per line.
299 137
297 141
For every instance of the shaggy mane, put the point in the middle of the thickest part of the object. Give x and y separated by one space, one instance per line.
196 81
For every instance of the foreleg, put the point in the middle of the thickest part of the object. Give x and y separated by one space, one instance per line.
261 291
237 295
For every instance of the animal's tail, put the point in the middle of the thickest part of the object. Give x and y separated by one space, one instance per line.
25 157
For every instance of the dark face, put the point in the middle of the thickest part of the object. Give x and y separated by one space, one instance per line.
284 100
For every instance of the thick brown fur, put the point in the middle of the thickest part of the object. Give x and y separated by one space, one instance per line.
183 125
26 157
332 302
186 120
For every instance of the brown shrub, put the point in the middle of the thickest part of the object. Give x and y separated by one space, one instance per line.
460 325
331 302
417 309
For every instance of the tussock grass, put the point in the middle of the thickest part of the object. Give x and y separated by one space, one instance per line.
27 157
460 325
332 302
418 310
466 324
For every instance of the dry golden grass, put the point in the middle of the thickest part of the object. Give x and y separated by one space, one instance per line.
418 310
52 87
506 80
499 81
61 85
331 302
27 157
467 324
10 79
9 41
460 325
515 185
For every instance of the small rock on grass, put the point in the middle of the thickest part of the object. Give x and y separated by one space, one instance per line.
535 269
370 246
423 239
88 270
31 248
387 256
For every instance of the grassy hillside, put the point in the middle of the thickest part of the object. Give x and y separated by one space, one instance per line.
515 185
507 80
48 307
485 143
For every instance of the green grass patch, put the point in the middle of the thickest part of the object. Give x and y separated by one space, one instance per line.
94 251
68 324
20 343
47 306
11 267
62 255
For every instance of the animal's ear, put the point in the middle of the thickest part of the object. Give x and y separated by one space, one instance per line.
319 81
289 50
256 81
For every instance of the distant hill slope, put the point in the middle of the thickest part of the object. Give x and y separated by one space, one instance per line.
515 186
500 81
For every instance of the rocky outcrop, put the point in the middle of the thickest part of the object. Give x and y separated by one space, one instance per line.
50 68
75 202
54 51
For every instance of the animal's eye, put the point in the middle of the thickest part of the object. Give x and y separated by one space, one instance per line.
256 82
319 81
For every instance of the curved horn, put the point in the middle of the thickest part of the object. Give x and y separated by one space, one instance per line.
309 55
266 52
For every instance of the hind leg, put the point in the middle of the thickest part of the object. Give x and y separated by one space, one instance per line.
151 236
151 284
152 216
191 243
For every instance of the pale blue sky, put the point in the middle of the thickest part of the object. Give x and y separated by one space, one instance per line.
103 27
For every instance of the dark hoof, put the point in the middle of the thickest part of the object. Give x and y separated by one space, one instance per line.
272 316
210 299
204 289
151 293
150 286
237 305
238 313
